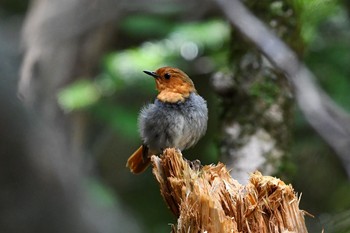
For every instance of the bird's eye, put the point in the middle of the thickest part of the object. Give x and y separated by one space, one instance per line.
166 75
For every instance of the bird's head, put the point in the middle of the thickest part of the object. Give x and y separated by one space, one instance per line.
172 84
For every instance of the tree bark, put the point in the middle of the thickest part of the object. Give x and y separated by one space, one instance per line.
256 99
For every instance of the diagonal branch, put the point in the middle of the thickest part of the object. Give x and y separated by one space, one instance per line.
325 116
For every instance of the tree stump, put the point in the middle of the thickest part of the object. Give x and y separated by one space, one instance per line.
208 199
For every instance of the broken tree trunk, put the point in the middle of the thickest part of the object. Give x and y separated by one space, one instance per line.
208 199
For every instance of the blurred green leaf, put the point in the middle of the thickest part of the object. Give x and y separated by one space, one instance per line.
329 59
211 34
186 41
81 94
311 13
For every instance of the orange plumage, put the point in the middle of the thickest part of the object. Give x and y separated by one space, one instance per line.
139 160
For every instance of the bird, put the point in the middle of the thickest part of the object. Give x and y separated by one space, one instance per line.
176 119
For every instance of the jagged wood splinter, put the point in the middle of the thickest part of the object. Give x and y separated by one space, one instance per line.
209 200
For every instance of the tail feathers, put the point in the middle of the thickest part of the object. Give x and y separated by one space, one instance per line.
139 160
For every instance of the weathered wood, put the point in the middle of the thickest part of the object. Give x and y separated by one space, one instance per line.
208 199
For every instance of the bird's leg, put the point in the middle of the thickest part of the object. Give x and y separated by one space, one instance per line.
194 165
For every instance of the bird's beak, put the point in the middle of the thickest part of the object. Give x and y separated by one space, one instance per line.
153 74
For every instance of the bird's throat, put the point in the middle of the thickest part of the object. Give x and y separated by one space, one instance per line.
172 97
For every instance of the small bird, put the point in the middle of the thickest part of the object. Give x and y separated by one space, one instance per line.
177 118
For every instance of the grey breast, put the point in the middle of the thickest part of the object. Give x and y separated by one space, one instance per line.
179 125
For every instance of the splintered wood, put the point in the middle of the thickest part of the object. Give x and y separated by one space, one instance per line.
208 199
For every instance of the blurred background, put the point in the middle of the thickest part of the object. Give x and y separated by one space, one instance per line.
77 67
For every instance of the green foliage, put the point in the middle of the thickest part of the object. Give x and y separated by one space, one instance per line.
311 13
329 57
81 94
86 93
185 42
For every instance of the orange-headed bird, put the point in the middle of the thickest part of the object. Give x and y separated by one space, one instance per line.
177 118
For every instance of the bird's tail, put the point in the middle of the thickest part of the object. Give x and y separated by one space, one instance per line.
139 160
